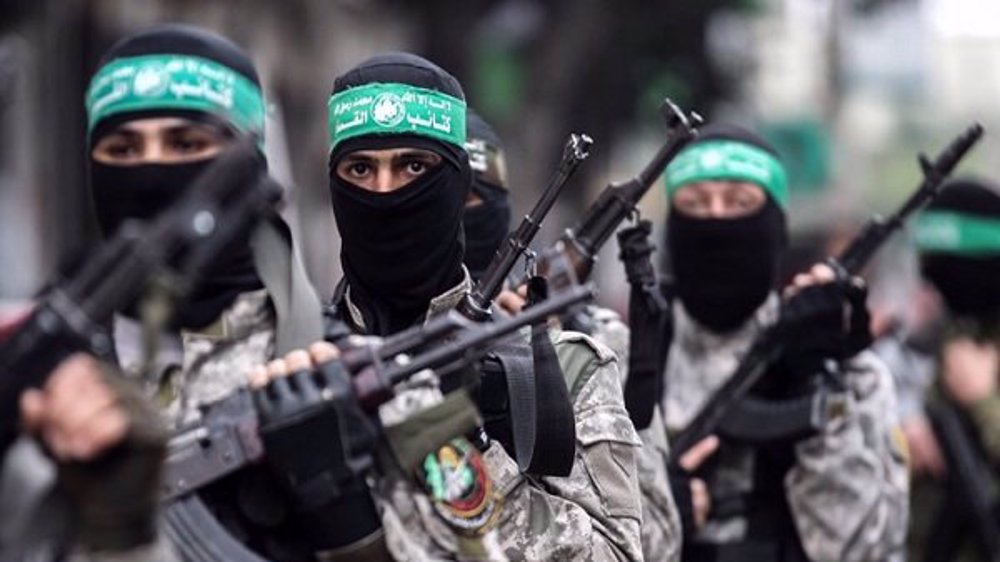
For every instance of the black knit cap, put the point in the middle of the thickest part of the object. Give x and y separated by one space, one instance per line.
175 39
488 162
969 196
726 131
968 284
399 68
478 128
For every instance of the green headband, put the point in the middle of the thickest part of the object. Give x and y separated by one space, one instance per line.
728 160
175 82
392 108
955 233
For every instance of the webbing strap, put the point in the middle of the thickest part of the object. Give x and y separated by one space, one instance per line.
650 326
296 304
542 424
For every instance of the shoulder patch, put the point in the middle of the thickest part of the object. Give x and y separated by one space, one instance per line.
456 479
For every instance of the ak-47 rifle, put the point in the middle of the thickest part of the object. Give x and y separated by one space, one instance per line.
226 438
770 344
478 303
578 247
222 204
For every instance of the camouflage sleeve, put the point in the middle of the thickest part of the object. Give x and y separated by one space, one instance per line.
661 522
848 491
985 414
594 513
661 525
418 527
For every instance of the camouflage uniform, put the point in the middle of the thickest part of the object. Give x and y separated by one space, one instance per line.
847 491
661 524
216 361
594 513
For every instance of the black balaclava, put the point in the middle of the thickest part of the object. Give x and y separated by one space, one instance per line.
143 191
401 249
969 282
725 268
487 223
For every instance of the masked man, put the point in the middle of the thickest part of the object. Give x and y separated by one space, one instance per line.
400 179
840 492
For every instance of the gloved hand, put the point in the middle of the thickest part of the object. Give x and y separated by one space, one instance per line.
318 445
109 446
824 318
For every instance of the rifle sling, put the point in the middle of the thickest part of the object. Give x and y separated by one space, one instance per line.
296 305
534 402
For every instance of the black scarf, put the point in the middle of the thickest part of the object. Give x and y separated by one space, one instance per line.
143 192
486 226
725 268
403 248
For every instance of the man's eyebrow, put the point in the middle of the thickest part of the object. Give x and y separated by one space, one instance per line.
357 158
185 127
125 132
411 154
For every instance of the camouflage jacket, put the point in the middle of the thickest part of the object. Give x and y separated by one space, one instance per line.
847 490
594 513
661 524
202 367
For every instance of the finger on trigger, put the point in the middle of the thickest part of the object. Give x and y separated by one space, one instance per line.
323 352
277 368
298 360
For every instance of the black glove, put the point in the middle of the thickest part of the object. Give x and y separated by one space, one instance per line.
824 321
116 495
319 444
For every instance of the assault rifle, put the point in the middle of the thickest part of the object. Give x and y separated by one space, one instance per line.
477 304
578 247
222 204
226 439
770 344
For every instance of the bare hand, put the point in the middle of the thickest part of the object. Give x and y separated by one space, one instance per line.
297 360
969 370
818 274
925 452
690 461
76 414
510 302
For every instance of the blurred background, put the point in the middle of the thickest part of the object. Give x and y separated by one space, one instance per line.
848 90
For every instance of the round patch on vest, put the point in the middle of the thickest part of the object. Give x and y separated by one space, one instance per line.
456 480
